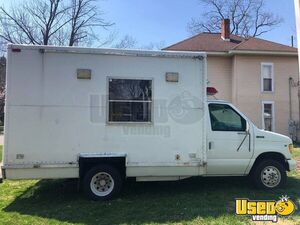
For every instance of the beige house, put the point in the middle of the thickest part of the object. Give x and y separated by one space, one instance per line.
258 76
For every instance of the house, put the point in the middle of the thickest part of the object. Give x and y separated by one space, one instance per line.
260 77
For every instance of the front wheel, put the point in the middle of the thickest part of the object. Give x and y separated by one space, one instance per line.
102 182
269 174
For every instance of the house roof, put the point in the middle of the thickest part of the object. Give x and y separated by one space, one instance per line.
212 42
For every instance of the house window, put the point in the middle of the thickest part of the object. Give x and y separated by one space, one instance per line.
268 116
267 77
130 100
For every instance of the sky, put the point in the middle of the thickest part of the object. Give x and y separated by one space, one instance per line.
166 20
156 21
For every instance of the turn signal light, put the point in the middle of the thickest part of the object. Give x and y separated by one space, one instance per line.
291 148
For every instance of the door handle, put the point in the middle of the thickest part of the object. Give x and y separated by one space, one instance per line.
241 133
210 145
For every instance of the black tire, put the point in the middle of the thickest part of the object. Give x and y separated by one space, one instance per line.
106 174
271 168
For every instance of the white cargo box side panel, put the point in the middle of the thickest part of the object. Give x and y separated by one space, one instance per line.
53 116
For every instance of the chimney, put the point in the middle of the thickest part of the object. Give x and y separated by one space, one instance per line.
225 29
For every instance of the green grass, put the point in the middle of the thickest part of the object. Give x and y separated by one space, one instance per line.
296 152
192 201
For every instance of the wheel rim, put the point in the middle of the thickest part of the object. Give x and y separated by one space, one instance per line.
102 184
270 176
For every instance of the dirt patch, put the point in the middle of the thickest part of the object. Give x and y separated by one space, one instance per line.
280 222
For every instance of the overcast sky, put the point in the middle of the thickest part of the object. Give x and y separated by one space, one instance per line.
166 20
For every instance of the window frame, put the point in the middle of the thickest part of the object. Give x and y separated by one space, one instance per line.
262 76
211 128
263 116
108 122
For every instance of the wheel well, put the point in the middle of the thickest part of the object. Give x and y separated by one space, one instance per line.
270 155
86 163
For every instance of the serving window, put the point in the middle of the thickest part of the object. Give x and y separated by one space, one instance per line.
130 100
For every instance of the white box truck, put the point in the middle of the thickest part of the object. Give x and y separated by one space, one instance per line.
102 115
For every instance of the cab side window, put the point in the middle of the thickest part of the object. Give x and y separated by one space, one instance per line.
225 118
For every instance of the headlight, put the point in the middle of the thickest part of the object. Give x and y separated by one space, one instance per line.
291 148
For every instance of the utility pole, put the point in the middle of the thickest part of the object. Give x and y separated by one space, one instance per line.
297 13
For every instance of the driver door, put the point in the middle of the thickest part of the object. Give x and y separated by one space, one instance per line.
229 147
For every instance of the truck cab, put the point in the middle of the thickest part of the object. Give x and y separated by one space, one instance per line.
237 147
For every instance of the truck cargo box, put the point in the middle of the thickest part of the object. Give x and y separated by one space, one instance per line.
64 103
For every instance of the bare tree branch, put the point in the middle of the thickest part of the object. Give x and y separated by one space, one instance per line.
84 18
129 42
54 22
126 42
248 17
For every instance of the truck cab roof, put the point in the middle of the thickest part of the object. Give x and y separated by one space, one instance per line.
216 101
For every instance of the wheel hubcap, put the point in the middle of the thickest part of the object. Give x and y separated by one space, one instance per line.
270 176
102 184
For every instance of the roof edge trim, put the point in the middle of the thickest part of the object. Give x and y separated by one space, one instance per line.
250 52
111 51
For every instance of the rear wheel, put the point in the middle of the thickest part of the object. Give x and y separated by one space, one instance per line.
269 174
102 182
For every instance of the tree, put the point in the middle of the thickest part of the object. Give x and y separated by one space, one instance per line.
129 42
51 22
2 87
85 17
248 17
154 45
126 42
